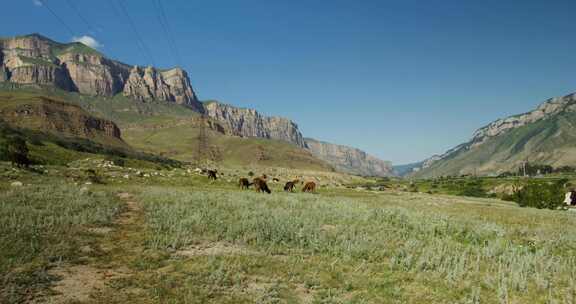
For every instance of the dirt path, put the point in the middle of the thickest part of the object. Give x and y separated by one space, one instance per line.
104 264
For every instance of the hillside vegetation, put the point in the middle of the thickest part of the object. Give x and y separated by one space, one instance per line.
171 130
549 141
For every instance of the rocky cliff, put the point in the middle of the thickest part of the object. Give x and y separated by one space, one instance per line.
348 159
34 59
47 115
544 135
250 123
170 85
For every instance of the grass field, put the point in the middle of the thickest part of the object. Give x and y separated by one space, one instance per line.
177 238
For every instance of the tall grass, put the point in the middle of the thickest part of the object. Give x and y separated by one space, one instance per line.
40 225
481 258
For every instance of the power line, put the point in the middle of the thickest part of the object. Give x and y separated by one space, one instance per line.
169 33
45 4
164 28
141 42
77 11
115 9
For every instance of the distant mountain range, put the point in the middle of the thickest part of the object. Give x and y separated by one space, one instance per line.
149 105
545 135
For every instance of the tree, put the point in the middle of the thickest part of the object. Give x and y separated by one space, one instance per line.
16 151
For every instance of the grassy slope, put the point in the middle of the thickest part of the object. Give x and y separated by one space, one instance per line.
10 102
168 129
550 141
207 242
180 142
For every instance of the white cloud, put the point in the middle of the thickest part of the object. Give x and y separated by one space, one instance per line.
87 40
37 2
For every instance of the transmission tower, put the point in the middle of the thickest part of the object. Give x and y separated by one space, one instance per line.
203 147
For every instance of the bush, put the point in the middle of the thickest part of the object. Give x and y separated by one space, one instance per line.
116 160
14 149
472 188
548 195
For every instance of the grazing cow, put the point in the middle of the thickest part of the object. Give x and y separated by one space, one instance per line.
309 187
275 180
289 187
244 183
570 198
260 185
212 174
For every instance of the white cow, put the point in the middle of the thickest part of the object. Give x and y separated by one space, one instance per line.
568 198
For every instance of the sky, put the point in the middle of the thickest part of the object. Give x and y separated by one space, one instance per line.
402 80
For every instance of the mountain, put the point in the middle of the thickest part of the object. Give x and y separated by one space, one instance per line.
157 110
545 135
249 123
74 67
406 169
349 159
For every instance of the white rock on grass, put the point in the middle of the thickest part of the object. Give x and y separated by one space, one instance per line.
16 184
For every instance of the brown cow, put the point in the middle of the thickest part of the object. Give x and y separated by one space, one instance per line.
289 187
260 185
244 183
309 187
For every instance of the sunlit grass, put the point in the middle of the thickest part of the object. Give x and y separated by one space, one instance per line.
40 225
472 257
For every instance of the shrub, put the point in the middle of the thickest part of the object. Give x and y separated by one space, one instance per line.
548 195
471 187
14 149
116 160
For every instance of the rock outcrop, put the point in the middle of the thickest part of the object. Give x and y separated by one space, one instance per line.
34 59
170 85
348 159
49 115
250 123
93 74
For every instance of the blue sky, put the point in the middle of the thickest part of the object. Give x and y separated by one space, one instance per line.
400 79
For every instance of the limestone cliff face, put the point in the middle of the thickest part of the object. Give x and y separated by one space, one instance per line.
250 123
34 59
348 159
29 60
151 84
62 118
92 74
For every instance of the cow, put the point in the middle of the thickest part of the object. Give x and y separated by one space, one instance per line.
212 174
289 187
244 183
260 185
309 187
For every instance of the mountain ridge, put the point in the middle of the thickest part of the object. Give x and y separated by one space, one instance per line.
540 135
79 68
73 67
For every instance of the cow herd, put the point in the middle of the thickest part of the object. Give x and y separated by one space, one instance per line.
261 185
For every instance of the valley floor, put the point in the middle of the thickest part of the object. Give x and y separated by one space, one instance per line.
177 238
